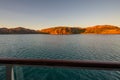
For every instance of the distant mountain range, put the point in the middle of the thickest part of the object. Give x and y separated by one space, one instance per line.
63 30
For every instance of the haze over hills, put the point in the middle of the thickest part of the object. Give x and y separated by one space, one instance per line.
64 30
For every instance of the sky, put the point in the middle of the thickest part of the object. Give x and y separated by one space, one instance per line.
38 14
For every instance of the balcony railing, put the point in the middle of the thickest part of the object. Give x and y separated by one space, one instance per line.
10 63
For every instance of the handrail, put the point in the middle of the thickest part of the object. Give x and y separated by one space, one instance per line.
87 64
113 65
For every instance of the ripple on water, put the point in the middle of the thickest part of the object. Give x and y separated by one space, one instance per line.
72 47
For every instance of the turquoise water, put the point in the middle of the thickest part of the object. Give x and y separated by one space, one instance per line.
68 47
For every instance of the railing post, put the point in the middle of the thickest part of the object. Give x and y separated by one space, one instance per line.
9 72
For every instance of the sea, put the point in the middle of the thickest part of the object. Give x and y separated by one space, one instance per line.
60 47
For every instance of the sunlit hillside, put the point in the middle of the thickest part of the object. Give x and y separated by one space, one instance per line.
63 30
99 29
103 29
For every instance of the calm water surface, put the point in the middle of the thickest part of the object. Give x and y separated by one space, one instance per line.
68 47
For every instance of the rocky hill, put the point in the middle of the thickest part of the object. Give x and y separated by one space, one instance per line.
18 30
102 29
63 30
99 29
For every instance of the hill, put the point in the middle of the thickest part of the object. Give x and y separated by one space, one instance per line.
98 29
18 30
63 30
103 29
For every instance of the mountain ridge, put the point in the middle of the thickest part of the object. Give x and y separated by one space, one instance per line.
64 30
98 29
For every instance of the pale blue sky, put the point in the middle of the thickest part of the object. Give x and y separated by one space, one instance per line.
37 14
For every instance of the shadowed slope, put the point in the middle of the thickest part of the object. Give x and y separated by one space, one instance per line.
18 30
